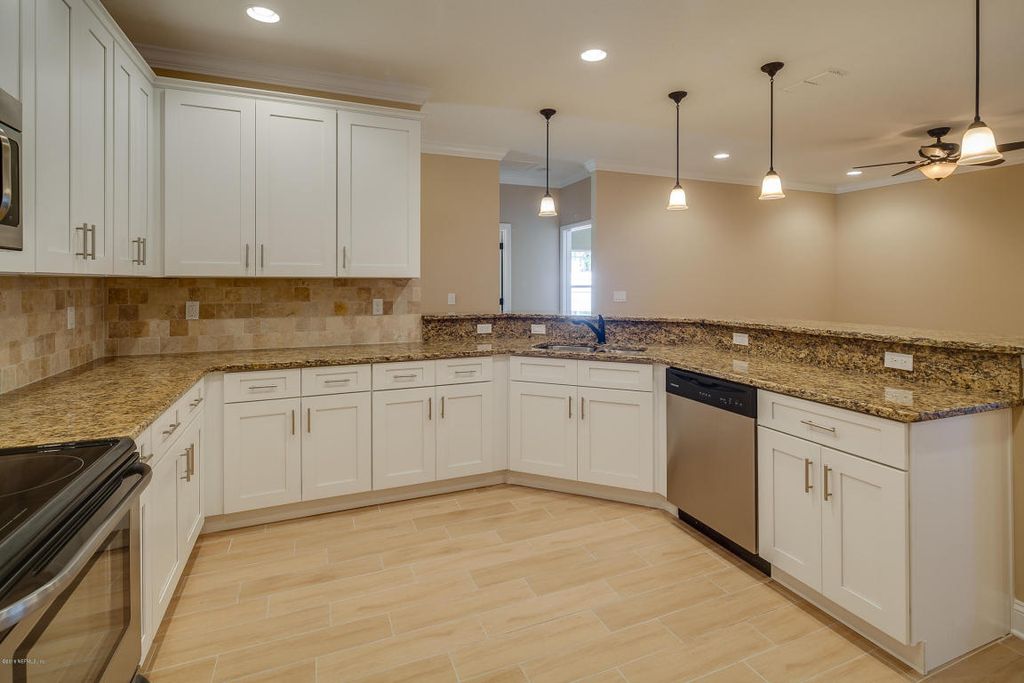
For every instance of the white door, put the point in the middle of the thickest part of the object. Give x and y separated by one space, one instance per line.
336 454
378 196
209 184
160 536
865 566
465 429
616 438
188 452
789 498
262 454
133 247
404 450
542 429
296 190
92 130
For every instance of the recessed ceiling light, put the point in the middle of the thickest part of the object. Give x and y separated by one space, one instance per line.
264 14
854 172
722 155
593 55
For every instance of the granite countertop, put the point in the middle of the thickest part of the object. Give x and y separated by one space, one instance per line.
121 396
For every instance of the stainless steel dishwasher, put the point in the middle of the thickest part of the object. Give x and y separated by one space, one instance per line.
712 459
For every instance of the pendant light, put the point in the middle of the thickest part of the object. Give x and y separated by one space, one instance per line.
979 144
677 198
547 202
771 186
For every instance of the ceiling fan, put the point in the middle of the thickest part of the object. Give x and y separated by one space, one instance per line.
938 158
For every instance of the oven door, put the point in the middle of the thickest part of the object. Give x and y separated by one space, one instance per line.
79 617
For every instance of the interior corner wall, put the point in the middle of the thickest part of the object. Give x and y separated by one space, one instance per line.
574 205
535 248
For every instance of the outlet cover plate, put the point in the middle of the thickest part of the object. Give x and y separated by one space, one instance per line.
899 361
378 306
71 317
741 338
538 329
483 328
191 310
451 298
619 296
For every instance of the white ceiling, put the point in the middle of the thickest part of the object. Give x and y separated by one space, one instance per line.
485 67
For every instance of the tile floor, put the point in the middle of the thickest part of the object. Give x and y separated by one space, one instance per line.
505 584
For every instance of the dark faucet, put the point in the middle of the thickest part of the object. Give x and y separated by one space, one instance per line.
597 329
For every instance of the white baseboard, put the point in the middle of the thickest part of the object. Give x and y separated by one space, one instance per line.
1017 619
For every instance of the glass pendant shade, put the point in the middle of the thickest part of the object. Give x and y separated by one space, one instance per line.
677 199
771 186
978 146
547 206
938 170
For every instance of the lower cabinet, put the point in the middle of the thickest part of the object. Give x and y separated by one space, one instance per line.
161 551
542 429
465 430
262 454
336 447
187 453
616 438
404 437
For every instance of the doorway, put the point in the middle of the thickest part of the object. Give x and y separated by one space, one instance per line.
576 291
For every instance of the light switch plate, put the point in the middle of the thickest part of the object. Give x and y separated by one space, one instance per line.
483 328
619 296
71 317
191 310
741 338
538 329
899 361
451 298
378 306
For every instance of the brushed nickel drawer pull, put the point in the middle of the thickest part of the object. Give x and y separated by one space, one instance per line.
195 403
815 425
260 387
309 420
170 429
338 381
412 376
146 458
807 475
826 472
465 372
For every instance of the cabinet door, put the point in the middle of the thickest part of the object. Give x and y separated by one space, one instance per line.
92 128
465 430
188 452
542 429
336 454
262 454
378 196
403 437
616 438
145 445
160 533
209 184
865 566
10 47
296 190
133 168
789 497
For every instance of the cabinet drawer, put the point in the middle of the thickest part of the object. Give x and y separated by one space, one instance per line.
606 375
403 375
870 437
259 386
164 429
341 379
462 370
546 370
191 404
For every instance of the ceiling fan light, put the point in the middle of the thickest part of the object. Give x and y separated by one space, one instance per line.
677 199
978 146
547 206
771 186
938 170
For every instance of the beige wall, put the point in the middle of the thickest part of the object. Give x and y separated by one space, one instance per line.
459 224
534 249
728 255
574 205
946 255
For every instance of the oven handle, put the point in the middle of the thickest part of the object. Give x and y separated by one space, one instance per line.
6 159
16 612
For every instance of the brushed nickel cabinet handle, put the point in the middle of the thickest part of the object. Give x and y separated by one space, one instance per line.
826 472
293 422
430 408
188 469
137 260
192 460
246 258
145 250
85 240
92 252
815 425
442 407
807 475
262 265
309 420
583 408
344 258
570 406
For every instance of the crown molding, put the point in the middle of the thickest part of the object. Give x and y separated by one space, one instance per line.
230 67
618 167
472 152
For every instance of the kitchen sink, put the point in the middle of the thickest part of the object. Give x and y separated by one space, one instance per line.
623 350
570 348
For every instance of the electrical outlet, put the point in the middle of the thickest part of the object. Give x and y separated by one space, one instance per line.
191 310
451 298
483 328
538 329
740 366
899 361
71 317
619 296
378 306
902 396
741 338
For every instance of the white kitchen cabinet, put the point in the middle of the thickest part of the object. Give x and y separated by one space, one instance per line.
144 442
404 432
161 553
336 446
209 184
262 454
187 451
465 429
864 544
10 47
378 196
296 190
789 490
135 242
542 429
616 437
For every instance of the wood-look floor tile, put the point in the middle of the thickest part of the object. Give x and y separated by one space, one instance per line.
200 671
511 675
645 519
585 572
350 549
440 610
474 559
498 523
217 617
737 673
613 676
790 622
281 565
531 530
557 561
1014 643
505 651
863 669
677 548
461 515
436 669
700 657
444 586
656 603
446 549
577 536
193 600
636 539
600 654
339 589
330 640
548 607
316 575
805 657
403 511
737 577
297 672
665 574
994 664
724 611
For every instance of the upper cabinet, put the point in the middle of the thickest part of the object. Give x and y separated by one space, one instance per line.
378 196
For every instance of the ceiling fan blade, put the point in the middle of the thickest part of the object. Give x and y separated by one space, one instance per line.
891 163
993 163
912 168
1010 146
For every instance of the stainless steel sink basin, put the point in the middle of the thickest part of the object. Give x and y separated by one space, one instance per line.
566 348
623 350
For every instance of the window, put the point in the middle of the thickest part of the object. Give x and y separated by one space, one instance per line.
577 280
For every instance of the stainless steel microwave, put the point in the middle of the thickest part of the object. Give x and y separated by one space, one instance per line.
11 236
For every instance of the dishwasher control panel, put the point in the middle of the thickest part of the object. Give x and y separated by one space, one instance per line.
736 398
